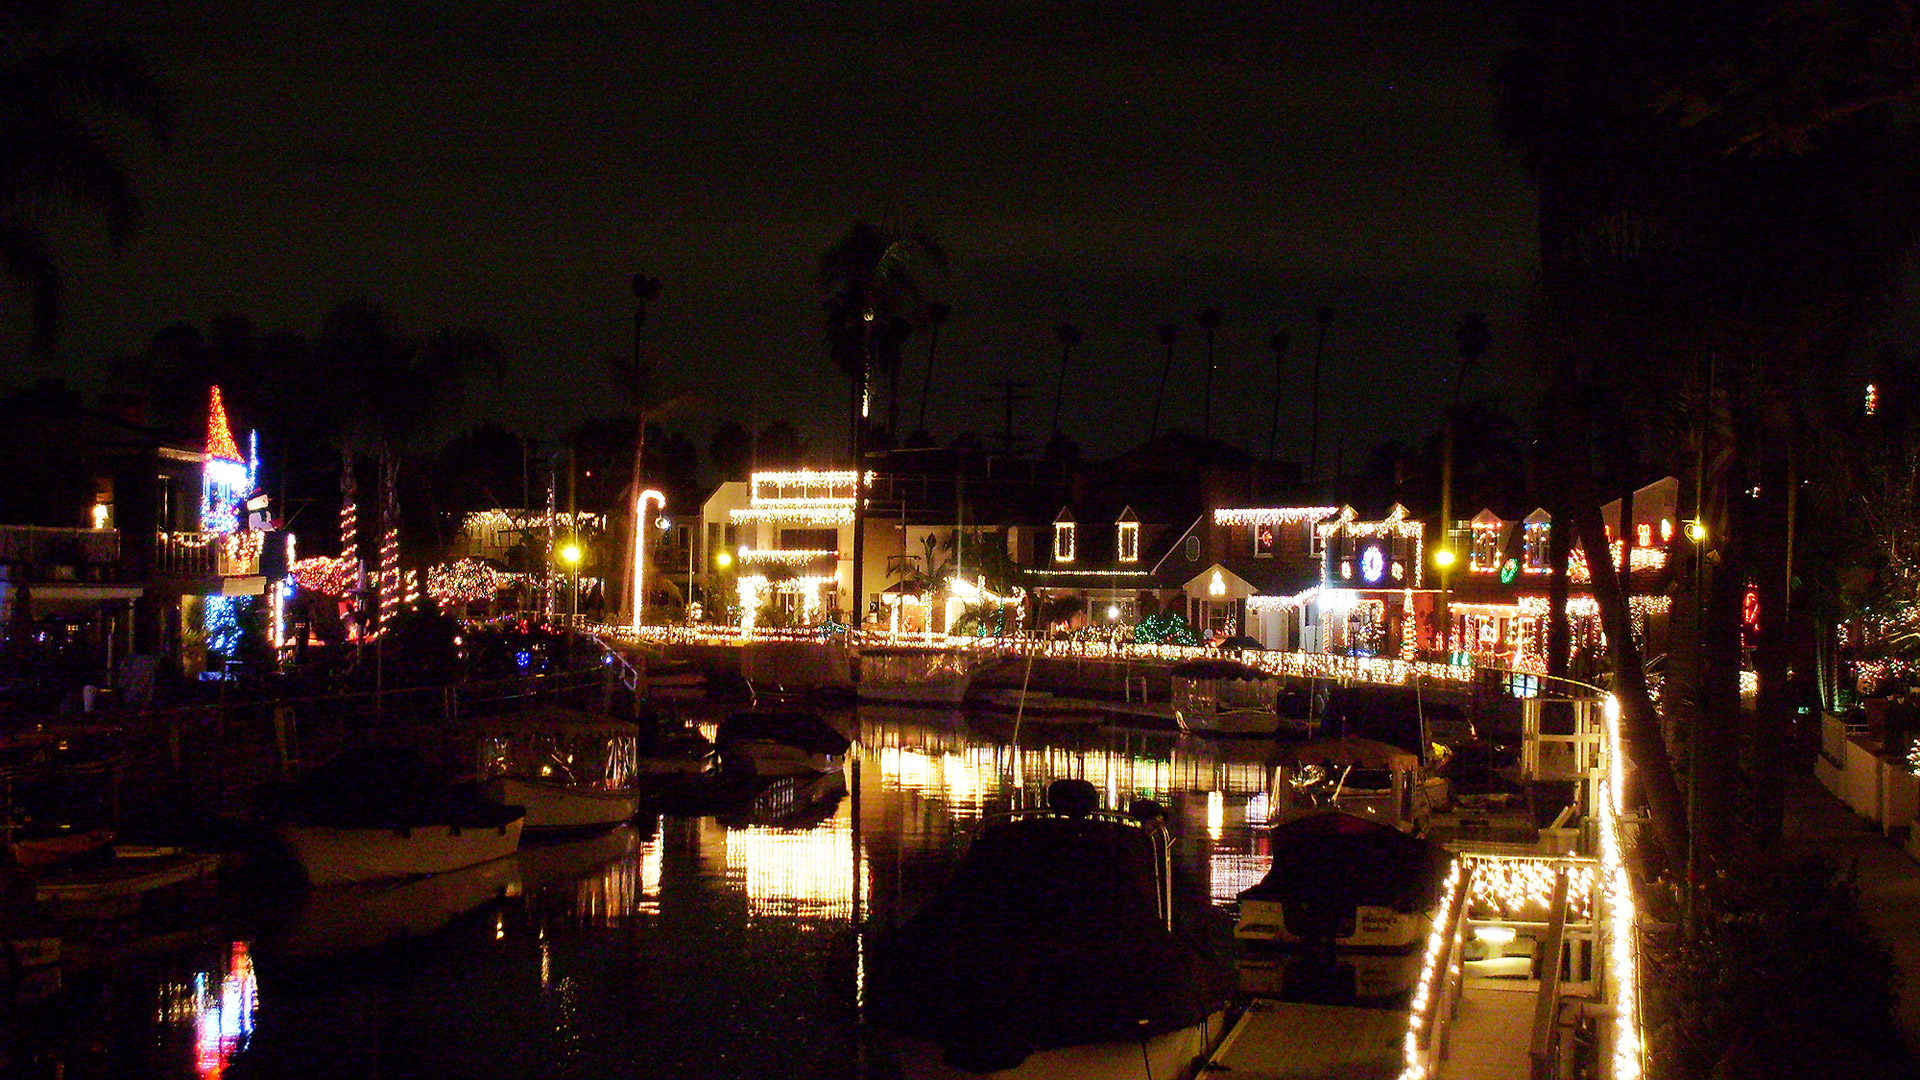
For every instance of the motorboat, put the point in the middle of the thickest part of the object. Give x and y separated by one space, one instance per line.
1224 697
1051 953
1347 882
570 770
1364 777
375 813
365 915
779 742
58 793
916 676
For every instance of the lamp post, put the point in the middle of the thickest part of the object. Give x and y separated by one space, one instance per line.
571 556
640 552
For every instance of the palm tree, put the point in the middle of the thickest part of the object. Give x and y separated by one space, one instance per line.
1209 320
54 148
1169 333
1322 318
1278 343
873 273
936 317
1068 335
1471 337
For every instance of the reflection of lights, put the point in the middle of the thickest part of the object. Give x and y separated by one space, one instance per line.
1216 814
1259 808
222 1016
1230 874
793 874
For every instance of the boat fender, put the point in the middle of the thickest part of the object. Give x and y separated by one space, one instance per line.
1146 811
1075 798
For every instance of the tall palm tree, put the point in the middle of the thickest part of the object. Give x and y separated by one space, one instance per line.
1278 343
1169 333
872 276
1322 318
1068 335
55 147
1209 321
936 317
1471 337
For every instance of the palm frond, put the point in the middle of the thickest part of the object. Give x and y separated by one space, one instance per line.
27 258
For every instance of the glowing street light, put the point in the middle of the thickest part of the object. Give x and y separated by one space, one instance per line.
723 560
1697 531
571 556
1443 557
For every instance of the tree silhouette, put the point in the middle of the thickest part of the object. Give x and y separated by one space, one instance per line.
1278 343
731 450
1169 333
1209 321
872 275
936 317
55 147
1322 318
1068 335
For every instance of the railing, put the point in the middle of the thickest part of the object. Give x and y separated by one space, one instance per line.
36 545
205 554
1554 756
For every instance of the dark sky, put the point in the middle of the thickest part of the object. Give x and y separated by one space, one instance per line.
508 165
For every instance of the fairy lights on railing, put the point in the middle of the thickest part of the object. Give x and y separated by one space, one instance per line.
1442 949
777 557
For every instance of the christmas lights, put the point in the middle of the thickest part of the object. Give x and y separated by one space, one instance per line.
1278 515
327 575
778 557
794 515
1521 889
463 581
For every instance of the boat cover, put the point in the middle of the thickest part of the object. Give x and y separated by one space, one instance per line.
1218 669
1339 860
1047 936
381 788
797 728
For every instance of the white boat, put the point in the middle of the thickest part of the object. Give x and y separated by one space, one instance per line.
570 770
368 914
331 855
778 742
916 676
1052 954
1364 777
1224 697
556 807
374 813
1347 882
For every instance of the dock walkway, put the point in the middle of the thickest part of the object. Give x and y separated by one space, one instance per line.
1488 1037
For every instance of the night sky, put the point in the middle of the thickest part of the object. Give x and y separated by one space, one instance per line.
509 165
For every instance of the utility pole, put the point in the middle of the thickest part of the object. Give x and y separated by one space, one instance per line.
1008 397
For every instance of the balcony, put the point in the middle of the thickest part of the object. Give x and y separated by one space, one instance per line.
205 555
41 553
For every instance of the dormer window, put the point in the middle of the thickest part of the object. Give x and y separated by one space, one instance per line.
1063 546
1129 541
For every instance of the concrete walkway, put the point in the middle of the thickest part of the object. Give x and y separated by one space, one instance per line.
1889 880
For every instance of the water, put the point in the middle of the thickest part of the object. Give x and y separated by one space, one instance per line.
677 947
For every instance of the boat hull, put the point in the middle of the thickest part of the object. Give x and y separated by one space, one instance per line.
336 856
1374 927
1232 722
1171 1054
768 759
557 807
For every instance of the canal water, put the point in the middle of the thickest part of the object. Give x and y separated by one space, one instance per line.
680 946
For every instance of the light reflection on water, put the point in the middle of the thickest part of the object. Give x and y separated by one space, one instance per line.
685 946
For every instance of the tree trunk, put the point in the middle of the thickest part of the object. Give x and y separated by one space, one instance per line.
1639 722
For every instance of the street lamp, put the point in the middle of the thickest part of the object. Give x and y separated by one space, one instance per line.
571 556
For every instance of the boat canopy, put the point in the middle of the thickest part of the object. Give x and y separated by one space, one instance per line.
1338 858
1219 670
1347 750
793 727
560 745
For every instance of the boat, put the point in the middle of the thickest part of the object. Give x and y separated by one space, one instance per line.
1051 953
59 787
779 742
916 676
570 770
373 814
1364 777
366 915
1346 882
1224 697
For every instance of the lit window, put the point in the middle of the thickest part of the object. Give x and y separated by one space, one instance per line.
1666 529
1263 535
1644 534
1063 541
1129 541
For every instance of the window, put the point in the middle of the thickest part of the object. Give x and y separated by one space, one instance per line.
1063 541
1193 549
1129 541
1643 534
1263 540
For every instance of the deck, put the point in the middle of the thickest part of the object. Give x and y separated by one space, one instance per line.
1487 1040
